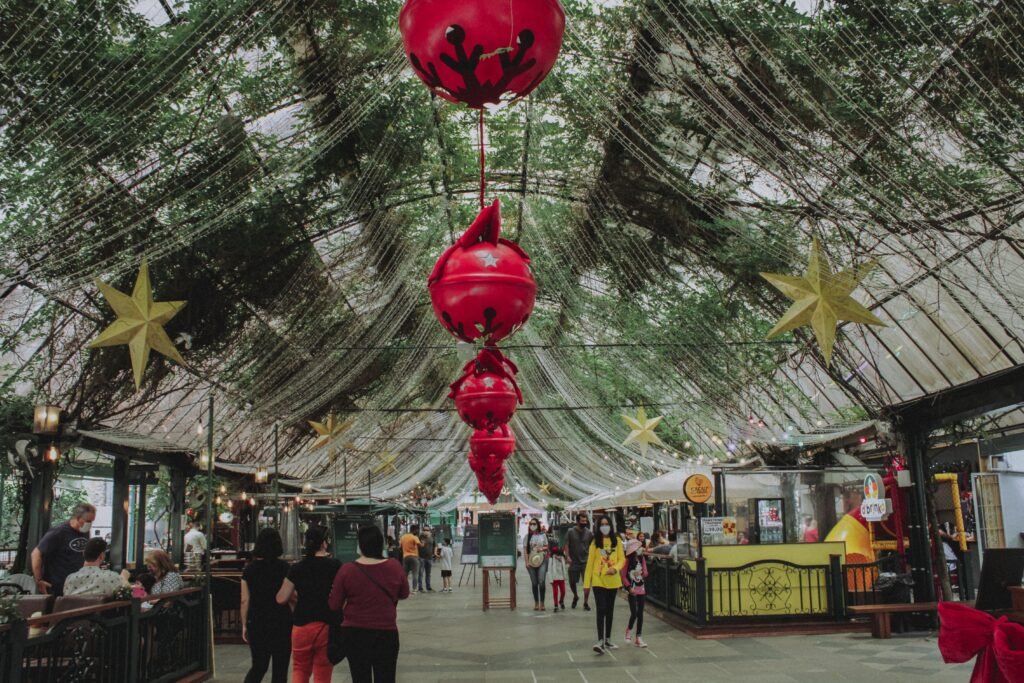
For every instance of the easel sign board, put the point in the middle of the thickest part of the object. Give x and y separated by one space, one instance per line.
345 544
470 545
1000 569
497 540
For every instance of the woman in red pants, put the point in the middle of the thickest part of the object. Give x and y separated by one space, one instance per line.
310 579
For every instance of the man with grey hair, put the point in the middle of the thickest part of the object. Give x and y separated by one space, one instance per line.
60 551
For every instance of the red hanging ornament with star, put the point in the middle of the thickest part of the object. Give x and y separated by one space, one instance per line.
481 286
497 443
482 52
486 396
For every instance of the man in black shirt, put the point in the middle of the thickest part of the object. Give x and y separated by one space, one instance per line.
59 552
577 547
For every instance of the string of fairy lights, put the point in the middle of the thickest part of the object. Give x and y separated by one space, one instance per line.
757 134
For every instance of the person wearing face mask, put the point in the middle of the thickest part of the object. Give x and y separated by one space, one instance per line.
577 545
605 561
535 550
60 550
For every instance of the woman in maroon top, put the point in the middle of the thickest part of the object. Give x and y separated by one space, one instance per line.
367 592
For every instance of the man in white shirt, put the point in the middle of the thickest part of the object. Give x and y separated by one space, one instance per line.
92 579
195 544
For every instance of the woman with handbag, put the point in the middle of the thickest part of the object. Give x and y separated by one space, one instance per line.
308 585
535 550
367 592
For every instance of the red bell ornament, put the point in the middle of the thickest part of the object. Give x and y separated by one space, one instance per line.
482 287
498 443
482 52
486 396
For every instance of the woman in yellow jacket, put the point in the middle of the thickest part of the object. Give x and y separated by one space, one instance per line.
604 562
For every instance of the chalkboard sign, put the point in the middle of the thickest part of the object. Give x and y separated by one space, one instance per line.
1000 569
470 545
345 545
498 540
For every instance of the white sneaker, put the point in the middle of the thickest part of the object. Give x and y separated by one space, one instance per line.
629 635
640 642
609 645
599 647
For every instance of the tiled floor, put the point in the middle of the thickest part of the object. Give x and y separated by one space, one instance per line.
447 637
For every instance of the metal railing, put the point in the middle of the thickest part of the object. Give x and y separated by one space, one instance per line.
115 642
860 580
765 590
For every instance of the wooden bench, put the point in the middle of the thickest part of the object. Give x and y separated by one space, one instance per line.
881 615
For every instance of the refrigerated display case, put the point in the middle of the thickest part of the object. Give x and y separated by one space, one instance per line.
767 520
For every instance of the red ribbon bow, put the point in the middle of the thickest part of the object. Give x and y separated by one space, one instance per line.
997 643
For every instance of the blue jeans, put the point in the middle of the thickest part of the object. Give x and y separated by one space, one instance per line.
537 576
425 565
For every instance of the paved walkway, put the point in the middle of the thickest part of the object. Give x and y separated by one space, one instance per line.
447 637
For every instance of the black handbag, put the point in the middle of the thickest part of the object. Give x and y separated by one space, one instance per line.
336 650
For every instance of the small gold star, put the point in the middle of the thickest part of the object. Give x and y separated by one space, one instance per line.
328 430
139 323
642 429
545 488
387 462
822 299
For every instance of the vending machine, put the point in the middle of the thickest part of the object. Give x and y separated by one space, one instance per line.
767 520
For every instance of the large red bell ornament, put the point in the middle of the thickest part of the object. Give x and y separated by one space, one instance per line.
486 396
498 443
481 286
482 52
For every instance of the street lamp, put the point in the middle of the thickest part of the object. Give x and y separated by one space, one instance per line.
45 419
53 453
262 475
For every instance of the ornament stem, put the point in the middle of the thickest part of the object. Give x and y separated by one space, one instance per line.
483 183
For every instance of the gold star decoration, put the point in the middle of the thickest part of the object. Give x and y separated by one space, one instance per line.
642 430
545 488
139 323
387 462
328 430
822 299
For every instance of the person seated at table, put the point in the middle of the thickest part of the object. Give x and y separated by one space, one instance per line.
665 545
159 564
144 583
92 578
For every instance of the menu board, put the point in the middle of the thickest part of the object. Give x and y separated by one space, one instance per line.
718 531
470 545
498 542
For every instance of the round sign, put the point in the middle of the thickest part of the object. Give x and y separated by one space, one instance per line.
697 488
874 487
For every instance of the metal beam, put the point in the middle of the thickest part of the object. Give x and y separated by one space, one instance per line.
977 397
119 515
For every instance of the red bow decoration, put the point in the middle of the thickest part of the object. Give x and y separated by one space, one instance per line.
998 644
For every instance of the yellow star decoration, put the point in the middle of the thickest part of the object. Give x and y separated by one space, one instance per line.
328 430
642 430
545 488
139 323
821 299
387 462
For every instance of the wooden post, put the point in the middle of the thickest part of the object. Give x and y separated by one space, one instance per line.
119 516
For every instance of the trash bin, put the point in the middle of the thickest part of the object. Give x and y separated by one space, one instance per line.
894 589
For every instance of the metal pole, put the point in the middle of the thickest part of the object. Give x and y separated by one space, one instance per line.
210 530
277 492
344 489
369 486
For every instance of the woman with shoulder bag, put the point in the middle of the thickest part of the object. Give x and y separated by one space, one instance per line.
310 580
367 592
535 550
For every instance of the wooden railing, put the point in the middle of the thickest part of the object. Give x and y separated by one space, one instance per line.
128 641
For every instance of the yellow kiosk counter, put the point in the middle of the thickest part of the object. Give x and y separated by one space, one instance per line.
769 582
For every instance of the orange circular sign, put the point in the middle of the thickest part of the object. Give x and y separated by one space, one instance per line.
697 488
